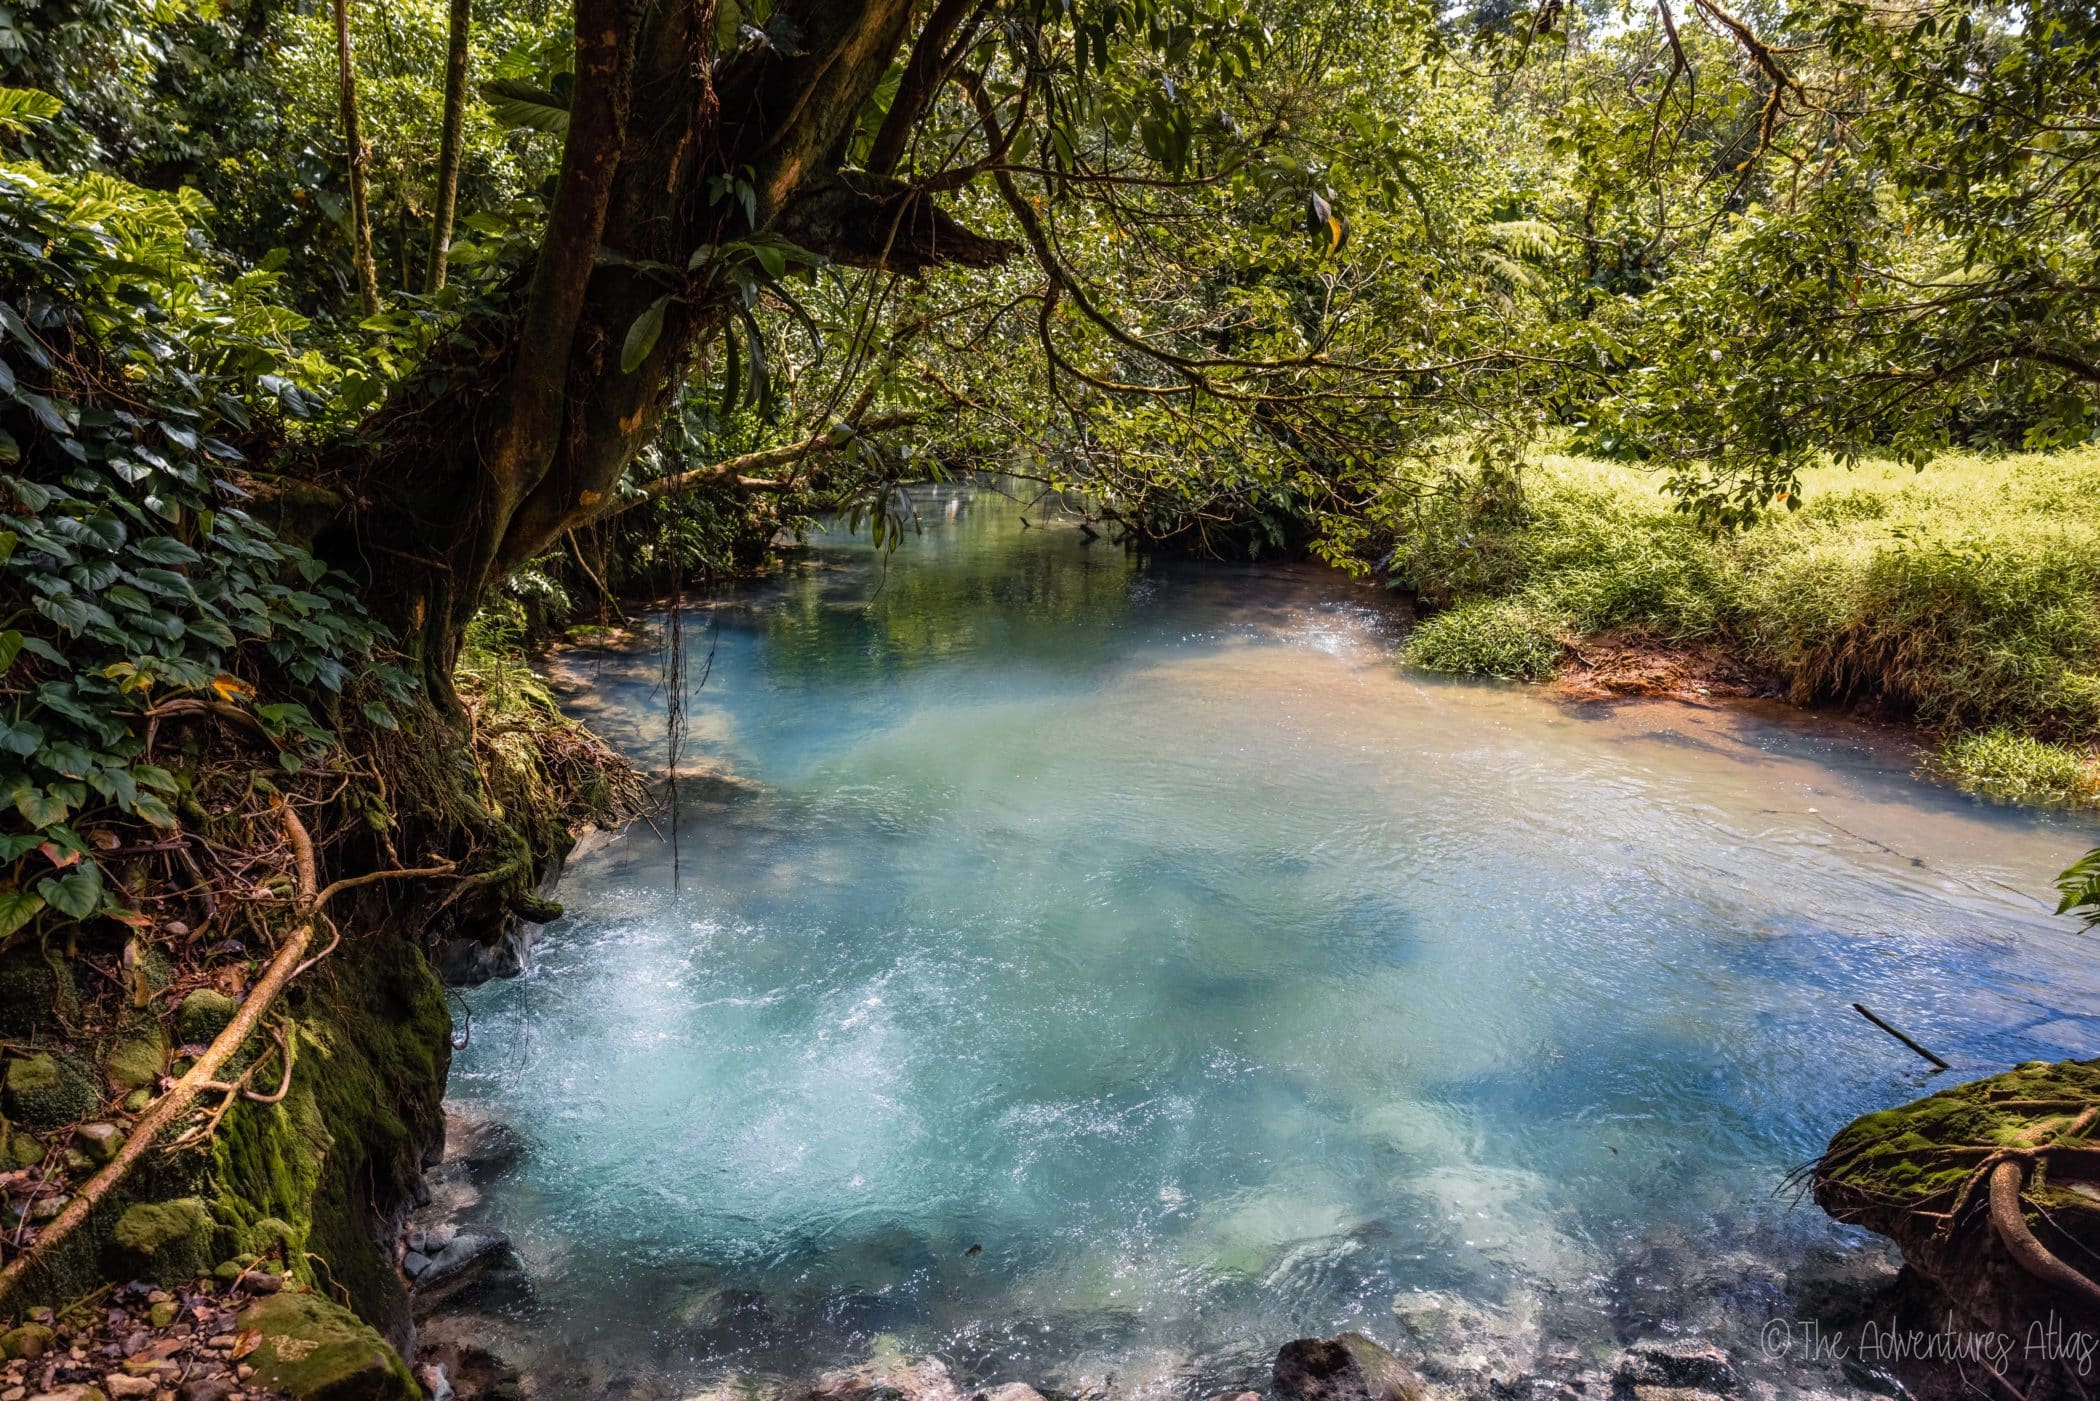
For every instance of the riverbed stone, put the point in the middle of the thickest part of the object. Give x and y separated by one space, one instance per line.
319 1351
1674 1364
889 1374
1016 1391
1346 1367
470 1251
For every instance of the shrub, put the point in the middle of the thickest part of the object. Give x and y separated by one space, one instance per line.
1487 637
2019 768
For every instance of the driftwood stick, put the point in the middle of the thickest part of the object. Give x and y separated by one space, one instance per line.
172 1105
1938 1064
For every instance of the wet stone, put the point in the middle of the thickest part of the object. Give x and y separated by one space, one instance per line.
1674 1364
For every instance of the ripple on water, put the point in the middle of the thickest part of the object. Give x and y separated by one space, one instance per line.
1086 964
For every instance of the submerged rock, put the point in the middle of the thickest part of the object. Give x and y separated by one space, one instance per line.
469 1251
319 1351
1674 1363
1019 1391
1347 1367
884 1377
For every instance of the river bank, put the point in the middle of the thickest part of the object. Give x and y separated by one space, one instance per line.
1963 598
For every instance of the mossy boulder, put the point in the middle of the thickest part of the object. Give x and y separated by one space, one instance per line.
19 1149
202 1016
28 1341
45 1091
37 992
167 1241
136 1062
1900 1172
319 1351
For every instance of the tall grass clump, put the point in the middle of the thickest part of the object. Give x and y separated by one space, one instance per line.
1965 597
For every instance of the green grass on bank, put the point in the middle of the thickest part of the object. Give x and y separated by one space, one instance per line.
1966 596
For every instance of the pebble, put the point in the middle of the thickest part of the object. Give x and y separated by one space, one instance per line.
120 1386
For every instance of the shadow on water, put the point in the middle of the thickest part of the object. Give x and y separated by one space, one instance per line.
1086 964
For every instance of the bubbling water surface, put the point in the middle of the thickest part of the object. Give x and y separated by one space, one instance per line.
1087 965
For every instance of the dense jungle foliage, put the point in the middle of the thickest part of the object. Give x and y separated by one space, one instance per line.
332 333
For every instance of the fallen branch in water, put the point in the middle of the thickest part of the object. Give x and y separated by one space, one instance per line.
1861 1008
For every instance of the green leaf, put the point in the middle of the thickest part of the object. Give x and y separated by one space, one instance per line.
23 108
17 908
10 648
153 810
77 893
642 335
520 103
163 549
37 807
21 738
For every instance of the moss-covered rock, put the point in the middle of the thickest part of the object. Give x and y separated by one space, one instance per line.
19 1149
319 1351
29 1340
167 1241
1901 1172
37 992
136 1062
45 1091
100 1142
202 1016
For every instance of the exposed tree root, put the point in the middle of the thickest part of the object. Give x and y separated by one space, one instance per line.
1898 1166
2028 1252
170 1107
286 964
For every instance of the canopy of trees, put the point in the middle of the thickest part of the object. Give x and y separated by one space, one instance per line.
322 325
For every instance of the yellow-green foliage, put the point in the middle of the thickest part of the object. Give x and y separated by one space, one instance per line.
1966 595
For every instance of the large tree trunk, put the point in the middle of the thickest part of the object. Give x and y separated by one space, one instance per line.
533 419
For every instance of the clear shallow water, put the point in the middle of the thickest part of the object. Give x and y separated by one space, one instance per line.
1083 965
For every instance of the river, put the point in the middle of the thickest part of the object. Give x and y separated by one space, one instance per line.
1085 965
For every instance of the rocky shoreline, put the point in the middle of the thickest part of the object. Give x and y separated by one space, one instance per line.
1677 1320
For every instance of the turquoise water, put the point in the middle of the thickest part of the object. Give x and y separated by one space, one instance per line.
1087 966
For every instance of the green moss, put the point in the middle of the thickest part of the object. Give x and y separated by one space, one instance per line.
37 992
169 1241
19 1149
136 1062
1897 1156
46 1091
318 1351
202 1016
29 1340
